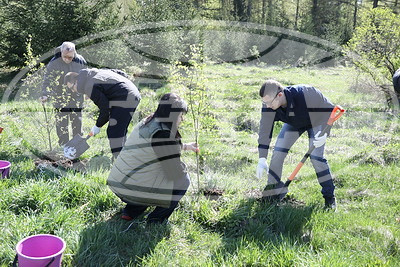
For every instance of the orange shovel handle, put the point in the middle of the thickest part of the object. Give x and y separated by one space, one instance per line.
337 112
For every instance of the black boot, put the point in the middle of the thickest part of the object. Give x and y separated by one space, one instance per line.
274 192
330 203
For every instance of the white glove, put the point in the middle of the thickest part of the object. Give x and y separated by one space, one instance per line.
95 130
43 99
262 165
319 140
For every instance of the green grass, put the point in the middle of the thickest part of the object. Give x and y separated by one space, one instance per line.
235 229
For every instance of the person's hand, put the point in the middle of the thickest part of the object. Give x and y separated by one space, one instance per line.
262 165
319 140
95 130
43 99
192 146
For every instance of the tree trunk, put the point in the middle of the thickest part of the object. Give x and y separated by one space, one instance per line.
375 4
355 14
249 9
263 11
297 14
270 12
239 9
314 16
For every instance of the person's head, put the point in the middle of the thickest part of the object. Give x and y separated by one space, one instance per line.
68 52
272 94
70 80
171 109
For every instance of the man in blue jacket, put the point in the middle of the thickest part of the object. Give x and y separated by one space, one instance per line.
68 104
116 97
302 108
396 83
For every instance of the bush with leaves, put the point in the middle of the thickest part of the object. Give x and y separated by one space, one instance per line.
375 48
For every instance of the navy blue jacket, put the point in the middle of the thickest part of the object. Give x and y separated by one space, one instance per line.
53 82
306 108
107 89
396 81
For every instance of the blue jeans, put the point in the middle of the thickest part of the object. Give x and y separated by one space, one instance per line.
286 138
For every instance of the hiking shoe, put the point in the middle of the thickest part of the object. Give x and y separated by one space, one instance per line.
274 192
330 203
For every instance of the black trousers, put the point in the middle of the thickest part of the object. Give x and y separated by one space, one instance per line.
63 117
160 214
118 127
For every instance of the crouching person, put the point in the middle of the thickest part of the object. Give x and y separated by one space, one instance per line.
149 170
116 97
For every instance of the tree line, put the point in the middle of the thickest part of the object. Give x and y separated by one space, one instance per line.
50 22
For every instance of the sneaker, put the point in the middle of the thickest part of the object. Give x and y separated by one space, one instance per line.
126 217
330 203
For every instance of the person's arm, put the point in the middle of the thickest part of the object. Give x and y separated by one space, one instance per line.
168 151
318 106
103 104
265 132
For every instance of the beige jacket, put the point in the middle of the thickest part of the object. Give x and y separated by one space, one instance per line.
137 176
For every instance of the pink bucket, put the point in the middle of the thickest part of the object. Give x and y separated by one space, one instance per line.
4 168
40 251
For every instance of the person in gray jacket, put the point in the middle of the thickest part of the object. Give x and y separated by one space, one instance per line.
68 105
116 97
302 108
149 170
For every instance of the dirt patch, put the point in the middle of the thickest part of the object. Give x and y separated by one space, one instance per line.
213 193
254 194
56 160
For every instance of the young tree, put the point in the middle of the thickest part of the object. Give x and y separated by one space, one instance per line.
375 47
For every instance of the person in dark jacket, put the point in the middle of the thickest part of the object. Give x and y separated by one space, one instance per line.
149 171
116 97
68 105
396 84
302 108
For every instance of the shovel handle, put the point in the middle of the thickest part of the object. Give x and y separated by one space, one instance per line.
337 112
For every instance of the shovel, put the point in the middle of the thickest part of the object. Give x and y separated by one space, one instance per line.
76 146
337 112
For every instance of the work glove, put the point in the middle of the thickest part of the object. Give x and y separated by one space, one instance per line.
43 99
262 165
95 130
319 140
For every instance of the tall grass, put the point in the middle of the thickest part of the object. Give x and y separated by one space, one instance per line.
235 229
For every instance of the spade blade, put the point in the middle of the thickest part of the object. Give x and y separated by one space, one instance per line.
76 146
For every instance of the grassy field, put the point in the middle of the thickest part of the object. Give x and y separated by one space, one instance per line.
235 229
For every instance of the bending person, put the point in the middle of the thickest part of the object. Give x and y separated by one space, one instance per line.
116 97
302 108
149 170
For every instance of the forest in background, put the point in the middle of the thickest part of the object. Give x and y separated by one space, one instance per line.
50 22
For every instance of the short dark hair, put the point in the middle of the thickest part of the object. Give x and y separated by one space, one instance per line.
270 87
70 77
